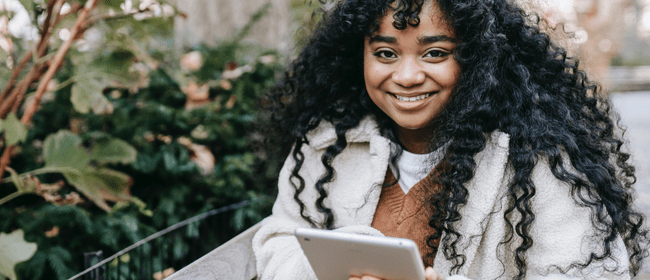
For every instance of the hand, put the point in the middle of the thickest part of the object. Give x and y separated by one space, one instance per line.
429 273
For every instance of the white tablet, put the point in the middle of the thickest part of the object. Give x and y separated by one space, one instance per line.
338 255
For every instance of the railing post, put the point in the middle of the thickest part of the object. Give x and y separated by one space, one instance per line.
90 259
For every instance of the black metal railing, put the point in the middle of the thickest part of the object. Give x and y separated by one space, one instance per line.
164 252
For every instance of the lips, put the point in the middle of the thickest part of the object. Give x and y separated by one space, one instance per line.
412 98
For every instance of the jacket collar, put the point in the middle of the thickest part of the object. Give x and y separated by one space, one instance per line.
324 135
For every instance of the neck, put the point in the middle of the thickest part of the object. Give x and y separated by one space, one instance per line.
416 141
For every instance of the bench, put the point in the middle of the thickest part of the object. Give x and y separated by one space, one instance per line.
232 260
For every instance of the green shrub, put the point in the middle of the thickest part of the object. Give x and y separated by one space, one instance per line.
190 125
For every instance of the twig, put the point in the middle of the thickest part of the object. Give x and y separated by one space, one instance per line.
11 196
56 63
44 170
19 90
95 19
6 158
41 49
7 104
19 99
14 75
42 86
48 17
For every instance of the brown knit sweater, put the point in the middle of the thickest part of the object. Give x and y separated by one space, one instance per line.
404 215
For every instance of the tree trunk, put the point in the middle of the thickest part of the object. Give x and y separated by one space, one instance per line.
211 21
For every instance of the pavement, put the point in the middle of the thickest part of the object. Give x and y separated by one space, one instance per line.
634 110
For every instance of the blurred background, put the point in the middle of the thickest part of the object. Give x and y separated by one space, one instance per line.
129 125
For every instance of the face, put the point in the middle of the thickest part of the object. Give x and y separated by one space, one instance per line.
410 73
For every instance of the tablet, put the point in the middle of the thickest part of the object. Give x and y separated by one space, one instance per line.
338 255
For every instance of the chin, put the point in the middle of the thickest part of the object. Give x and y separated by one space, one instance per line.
412 126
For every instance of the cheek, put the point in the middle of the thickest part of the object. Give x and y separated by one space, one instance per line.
454 72
375 74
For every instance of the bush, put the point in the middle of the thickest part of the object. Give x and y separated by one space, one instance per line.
175 133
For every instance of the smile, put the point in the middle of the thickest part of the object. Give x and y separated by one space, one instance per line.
411 99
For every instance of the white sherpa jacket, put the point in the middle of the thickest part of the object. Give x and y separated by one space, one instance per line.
562 230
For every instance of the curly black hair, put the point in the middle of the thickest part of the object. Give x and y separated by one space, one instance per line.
528 87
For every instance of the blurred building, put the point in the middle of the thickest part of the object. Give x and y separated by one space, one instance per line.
211 21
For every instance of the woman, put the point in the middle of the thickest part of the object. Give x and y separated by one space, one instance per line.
505 153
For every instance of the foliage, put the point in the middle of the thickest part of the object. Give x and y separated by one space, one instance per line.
127 137
15 250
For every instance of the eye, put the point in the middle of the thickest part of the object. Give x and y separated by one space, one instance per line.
385 54
436 54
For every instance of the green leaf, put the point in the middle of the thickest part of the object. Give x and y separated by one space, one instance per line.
15 131
57 258
86 95
14 249
64 153
113 150
28 4
101 185
64 149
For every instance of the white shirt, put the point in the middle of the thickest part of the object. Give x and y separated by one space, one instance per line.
414 167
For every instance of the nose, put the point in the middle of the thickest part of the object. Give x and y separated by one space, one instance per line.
408 73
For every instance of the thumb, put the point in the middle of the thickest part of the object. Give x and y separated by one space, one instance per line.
431 274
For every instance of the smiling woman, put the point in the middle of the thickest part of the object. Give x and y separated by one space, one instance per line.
410 74
460 125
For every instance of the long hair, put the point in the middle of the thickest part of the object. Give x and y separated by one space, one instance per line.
514 79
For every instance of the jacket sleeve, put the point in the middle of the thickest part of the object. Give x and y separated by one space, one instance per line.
277 251
563 234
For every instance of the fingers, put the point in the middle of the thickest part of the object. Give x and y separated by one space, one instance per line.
431 274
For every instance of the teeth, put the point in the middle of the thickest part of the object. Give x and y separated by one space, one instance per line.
411 99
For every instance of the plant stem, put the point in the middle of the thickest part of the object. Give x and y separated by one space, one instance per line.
54 66
44 170
56 63
10 197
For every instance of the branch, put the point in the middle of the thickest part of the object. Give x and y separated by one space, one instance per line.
6 158
45 170
41 47
42 86
14 75
18 91
48 17
11 196
95 19
56 63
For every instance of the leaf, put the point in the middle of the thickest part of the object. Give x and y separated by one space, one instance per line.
15 131
86 95
101 185
57 258
28 4
64 149
113 150
14 249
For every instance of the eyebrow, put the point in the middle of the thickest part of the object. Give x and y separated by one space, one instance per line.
383 39
433 39
421 40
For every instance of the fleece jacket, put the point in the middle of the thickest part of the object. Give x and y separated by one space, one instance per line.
562 231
